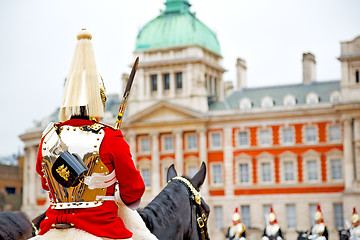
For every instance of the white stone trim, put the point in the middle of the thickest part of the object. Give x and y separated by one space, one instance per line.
237 139
212 184
308 156
284 158
243 159
266 158
211 147
281 135
334 154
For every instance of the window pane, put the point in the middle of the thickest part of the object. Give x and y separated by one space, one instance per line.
338 214
217 174
266 212
216 140
145 145
265 137
192 141
218 217
168 143
245 215
179 80
266 172
244 173
335 133
145 173
336 169
288 135
289 171
153 82
310 134
291 215
191 171
313 208
243 138
312 170
166 78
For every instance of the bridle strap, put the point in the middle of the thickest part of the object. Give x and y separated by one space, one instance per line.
201 216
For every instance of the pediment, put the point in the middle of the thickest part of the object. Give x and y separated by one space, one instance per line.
164 112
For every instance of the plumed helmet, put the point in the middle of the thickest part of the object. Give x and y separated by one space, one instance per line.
318 214
236 215
84 92
355 217
272 216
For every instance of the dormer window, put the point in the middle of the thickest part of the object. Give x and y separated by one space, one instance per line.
245 103
335 97
289 100
312 98
267 102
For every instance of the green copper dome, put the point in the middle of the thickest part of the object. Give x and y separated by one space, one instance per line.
174 27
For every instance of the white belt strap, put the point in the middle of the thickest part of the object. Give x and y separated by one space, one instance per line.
100 180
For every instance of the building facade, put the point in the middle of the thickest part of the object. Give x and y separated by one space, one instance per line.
288 146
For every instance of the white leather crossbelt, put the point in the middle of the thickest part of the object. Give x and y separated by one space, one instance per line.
100 180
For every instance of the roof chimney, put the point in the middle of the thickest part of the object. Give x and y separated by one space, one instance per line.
309 68
240 74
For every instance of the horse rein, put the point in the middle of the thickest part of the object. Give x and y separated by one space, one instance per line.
201 215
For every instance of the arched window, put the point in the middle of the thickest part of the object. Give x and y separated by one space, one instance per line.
245 103
335 97
289 100
312 98
267 102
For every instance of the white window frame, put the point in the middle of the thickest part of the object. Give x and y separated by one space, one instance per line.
140 144
284 158
243 159
212 165
312 98
331 156
291 216
212 147
260 137
341 213
246 218
311 155
289 100
218 220
163 143
282 139
191 161
237 138
245 104
145 164
267 102
316 134
329 133
266 158
335 97
187 135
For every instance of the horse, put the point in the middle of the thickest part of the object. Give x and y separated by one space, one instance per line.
302 235
177 212
344 234
16 225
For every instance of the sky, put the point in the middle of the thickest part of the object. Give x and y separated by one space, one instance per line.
38 38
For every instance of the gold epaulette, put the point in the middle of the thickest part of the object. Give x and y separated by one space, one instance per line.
107 125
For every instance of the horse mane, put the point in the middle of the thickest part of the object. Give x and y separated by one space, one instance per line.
160 212
15 226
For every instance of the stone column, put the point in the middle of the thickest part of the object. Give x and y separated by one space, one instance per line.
32 175
155 163
131 135
172 84
147 85
179 154
160 86
348 154
203 158
228 161
26 180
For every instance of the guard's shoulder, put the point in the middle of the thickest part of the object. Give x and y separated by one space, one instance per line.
108 126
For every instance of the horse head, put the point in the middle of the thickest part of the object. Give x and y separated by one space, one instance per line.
178 211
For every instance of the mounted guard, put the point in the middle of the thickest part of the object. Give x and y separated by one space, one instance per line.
237 230
272 230
319 230
86 166
355 226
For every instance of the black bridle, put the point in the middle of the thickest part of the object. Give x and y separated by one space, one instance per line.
196 202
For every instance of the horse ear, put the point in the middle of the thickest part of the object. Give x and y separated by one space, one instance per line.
171 172
199 177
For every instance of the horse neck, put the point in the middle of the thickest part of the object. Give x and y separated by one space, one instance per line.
168 210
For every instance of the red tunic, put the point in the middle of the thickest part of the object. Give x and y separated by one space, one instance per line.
101 221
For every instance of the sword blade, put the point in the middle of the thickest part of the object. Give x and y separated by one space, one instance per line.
126 94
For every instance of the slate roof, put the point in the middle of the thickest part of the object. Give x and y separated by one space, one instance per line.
277 93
